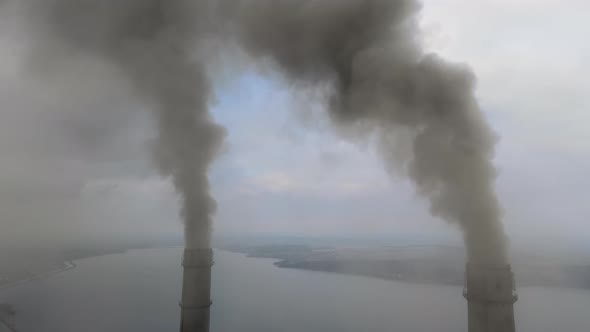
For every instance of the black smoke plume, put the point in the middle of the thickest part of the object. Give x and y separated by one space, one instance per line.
153 43
420 108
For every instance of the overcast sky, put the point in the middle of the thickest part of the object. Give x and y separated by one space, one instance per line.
68 174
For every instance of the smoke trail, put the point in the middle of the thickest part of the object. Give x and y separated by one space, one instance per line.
384 85
151 42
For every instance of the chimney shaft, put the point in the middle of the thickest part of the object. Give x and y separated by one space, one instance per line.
490 295
196 290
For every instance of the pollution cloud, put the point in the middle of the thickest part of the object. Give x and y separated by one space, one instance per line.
365 54
420 108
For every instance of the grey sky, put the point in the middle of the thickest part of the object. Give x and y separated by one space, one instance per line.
68 171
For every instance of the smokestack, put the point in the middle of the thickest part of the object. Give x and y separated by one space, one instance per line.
196 290
490 294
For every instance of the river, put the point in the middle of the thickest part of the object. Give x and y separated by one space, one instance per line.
139 291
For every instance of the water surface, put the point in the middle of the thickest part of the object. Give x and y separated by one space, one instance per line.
139 291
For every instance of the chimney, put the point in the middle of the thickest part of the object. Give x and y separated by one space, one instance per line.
490 294
196 290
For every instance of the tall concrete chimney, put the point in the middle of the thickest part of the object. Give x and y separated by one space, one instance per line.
196 290
490 295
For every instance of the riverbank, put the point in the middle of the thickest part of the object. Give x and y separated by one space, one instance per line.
19 266
69 265
7 313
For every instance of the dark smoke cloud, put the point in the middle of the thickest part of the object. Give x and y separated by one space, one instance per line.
151 42
385 86
420 108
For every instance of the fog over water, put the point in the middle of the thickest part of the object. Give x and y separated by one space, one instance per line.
139 291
